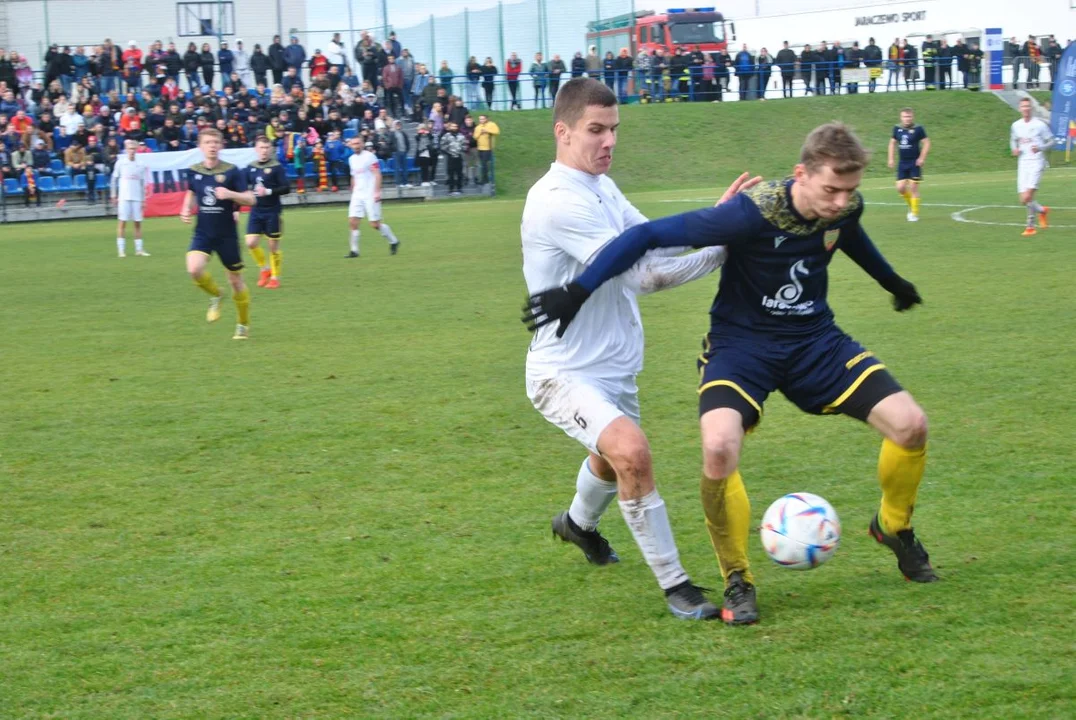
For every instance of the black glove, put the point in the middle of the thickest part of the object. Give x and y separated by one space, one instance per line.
904 293
552 305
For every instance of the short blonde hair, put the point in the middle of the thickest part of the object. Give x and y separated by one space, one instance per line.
834 144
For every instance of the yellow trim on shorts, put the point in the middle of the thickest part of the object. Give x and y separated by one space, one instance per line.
832 407
199 252
734 386
858 359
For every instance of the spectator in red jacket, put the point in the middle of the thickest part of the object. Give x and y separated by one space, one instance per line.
319 65
513 66
132 64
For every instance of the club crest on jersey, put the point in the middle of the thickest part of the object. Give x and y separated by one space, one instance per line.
219 178
830 238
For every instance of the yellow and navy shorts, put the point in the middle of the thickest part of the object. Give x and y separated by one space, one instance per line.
226 248
264 222
824 373
909 171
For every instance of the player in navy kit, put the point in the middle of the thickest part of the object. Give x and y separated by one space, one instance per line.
267 178
911 143
216 189
772 329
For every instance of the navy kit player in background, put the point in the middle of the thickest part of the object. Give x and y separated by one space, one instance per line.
912 144
772 329
216 189
267 178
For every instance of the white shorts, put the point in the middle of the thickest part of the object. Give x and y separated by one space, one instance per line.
1028 176
364 206
129 210
583 407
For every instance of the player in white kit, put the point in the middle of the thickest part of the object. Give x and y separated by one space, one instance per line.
1029 140
584 382
129 180
366 195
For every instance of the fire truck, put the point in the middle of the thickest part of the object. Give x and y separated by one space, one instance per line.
647 30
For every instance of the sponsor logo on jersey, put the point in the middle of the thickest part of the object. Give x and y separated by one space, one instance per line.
786 300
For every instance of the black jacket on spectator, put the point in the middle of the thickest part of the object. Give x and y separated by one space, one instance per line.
259 63
276 57
786 59
872 55
192 61
172 63
579 66
208 61
7 73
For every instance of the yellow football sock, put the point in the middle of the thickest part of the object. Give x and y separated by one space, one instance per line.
899 472
274 262
207 283
242 306
259 256
914 202
728 520
907 198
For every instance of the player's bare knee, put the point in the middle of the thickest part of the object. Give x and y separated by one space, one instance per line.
910 428
720 455
631 459
252 241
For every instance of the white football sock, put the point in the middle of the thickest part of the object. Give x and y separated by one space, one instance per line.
121 245
386 232
138 245
649 523
592 497
1036 206
354 241
1030 214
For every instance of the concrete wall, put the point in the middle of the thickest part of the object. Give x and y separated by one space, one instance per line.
88 22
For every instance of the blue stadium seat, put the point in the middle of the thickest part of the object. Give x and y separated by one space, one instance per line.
56 167
151 143
102 181
47 184
80 182
412 165
384 165
63 183
349 133
11 187
291 172
308 169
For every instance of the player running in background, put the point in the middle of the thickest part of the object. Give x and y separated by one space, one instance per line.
772 329
1029 141
129 180
912 144
267 177
584 382
216 188
366 195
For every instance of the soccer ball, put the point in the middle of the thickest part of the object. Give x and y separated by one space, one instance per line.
800 531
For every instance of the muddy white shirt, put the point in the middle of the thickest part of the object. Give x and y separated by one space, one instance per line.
1028 134
569 216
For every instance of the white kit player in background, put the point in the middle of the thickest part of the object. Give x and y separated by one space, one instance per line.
366 196
584 382
129 182
1030 140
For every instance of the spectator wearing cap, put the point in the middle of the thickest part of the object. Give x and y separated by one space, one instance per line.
242 64
319 65
294 55
226 61
132 65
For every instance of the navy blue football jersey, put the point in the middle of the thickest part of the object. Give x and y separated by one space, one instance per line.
215 216
908 140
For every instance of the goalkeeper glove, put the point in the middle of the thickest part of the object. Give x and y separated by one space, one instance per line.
904 293
557 304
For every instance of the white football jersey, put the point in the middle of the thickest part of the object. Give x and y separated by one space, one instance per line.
1031 133
363 166
129 180
569 216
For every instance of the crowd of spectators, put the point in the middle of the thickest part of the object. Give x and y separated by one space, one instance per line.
71 119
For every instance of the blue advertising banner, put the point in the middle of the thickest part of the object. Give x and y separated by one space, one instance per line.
1064 97
995 56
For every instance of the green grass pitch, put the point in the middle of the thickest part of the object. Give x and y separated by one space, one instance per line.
348 515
